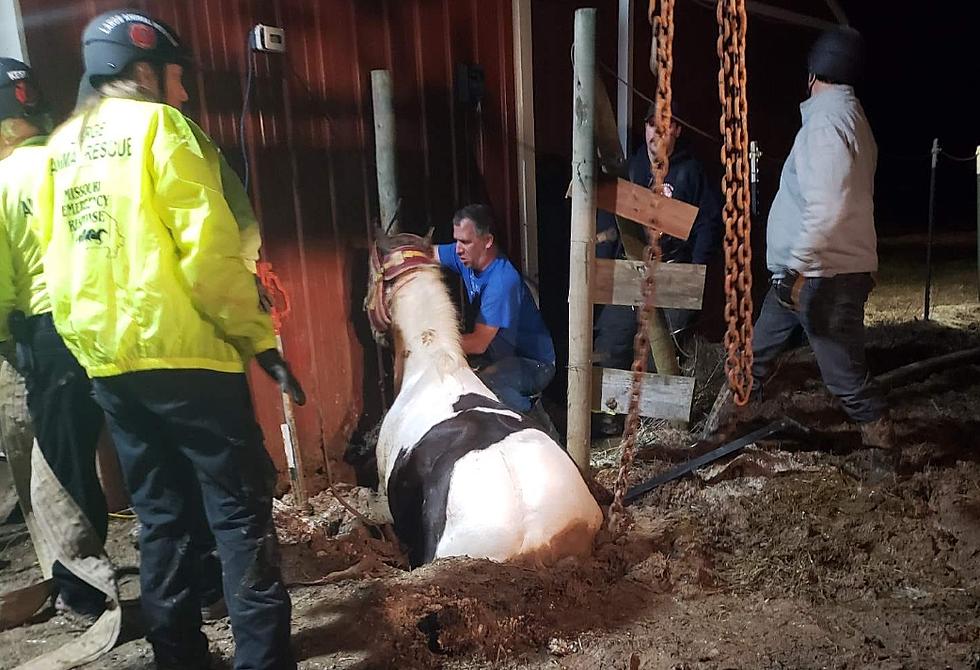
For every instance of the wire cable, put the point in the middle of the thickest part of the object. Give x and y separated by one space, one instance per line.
246 103
643 96
958 158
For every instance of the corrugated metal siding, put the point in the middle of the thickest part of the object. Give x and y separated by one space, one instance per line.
312 169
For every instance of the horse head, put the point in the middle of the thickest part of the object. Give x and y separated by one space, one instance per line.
392 262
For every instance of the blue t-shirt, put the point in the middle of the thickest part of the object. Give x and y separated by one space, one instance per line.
505 303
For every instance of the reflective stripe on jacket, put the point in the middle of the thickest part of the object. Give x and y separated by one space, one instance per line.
143 254
22 284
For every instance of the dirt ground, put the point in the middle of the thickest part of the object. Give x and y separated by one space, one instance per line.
800 552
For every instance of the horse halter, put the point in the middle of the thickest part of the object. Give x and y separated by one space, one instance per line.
389 274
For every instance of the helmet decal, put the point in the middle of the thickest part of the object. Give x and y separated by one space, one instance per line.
25 94
142 36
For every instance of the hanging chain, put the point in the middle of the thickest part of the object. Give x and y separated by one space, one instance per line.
732 25
664 24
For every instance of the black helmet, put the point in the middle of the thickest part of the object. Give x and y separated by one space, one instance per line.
114 40
838 56
19 94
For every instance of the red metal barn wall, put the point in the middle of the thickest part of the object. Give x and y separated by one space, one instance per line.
312 158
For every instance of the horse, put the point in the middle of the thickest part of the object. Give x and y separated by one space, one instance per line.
464 475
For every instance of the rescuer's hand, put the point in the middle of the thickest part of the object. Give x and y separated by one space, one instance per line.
274 366
788 288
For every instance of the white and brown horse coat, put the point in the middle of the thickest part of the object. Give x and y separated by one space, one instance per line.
465 476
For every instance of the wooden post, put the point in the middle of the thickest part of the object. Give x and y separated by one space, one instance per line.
582 248
662 348
384 148
524 107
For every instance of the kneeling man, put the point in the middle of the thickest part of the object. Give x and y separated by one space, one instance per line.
509 341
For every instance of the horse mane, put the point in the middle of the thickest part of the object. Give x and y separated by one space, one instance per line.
428 321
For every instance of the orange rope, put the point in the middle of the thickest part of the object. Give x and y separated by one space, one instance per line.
278 298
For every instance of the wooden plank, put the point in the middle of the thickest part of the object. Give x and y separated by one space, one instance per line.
640 204
619 282
662 396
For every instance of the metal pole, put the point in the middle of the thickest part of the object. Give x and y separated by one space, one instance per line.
754 155
384 148
582 248
932 210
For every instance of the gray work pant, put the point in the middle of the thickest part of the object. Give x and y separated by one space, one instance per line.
831 313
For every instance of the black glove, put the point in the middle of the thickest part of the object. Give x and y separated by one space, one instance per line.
274 366
788 288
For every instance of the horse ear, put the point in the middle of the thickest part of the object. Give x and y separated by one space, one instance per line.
428 236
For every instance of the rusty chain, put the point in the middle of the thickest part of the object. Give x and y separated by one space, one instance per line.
664 24
732 24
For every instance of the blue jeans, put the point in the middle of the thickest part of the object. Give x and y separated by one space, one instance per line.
516 380
831 314
175 431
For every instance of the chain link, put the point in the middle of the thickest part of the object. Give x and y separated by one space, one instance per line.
732 24
664 24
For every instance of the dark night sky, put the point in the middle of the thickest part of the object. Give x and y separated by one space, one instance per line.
923 72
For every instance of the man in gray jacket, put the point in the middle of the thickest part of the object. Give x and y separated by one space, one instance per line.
821 238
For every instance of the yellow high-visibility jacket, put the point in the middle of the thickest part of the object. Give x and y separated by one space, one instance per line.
142 252
22 284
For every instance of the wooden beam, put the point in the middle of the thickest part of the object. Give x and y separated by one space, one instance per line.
638 203
662 396
678 285
527 196
778 13
624 70
763 9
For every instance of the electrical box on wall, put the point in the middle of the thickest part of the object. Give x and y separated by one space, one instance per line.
268 39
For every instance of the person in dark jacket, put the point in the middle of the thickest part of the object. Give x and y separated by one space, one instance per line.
686 181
